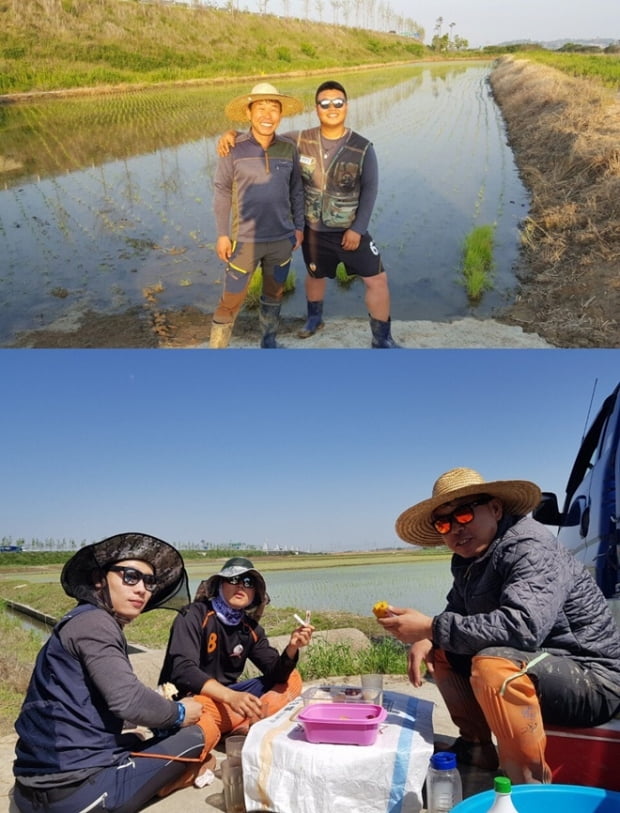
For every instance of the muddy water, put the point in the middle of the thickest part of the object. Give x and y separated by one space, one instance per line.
107 200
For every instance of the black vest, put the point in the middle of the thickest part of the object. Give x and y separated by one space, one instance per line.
64 723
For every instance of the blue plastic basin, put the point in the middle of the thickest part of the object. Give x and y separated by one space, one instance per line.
548 798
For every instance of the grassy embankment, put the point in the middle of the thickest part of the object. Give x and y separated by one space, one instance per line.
151 630
52 45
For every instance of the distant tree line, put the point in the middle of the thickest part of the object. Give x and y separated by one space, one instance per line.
370 14
64 545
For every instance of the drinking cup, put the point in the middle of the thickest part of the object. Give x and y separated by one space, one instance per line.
232 782
372 689
234 745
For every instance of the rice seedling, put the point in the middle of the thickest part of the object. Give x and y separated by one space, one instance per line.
478 261
256 286
342 277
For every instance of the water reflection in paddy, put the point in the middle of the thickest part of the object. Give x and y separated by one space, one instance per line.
105 197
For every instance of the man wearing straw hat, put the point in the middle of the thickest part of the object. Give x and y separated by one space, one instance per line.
526 637
259 211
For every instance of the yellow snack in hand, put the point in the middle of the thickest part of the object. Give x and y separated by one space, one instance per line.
380 609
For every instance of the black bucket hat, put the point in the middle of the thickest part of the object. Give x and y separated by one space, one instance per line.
237 566
85 567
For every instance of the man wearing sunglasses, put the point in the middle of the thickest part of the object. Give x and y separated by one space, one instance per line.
74 750
340 179
210 643
340 176
526 637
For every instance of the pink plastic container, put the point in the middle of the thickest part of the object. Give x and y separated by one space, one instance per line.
342 723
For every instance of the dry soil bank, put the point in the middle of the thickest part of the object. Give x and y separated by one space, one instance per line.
565 134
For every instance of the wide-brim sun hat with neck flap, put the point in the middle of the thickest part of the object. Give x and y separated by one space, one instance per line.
90 562
414 525
237 109
237 566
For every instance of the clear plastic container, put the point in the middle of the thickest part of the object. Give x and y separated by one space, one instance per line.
443 783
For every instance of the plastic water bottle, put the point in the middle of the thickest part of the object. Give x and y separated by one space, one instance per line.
443 783
502 803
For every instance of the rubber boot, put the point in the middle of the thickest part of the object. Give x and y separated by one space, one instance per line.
474 746
508 699
219 337
314 321
381 334
269 319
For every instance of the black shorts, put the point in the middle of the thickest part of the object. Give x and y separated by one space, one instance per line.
322 253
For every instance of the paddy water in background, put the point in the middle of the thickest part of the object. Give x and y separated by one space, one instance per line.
107 198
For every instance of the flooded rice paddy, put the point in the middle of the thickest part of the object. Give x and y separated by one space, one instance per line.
105 200
353 589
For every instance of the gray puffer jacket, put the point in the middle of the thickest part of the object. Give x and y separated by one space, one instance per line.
529 592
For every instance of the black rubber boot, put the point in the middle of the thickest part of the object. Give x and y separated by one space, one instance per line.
381 335
269 319
314 321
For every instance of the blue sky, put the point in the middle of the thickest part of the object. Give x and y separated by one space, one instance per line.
320 450
484 22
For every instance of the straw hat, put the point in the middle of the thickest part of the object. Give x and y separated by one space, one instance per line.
237 109
237 566
80 572
518 497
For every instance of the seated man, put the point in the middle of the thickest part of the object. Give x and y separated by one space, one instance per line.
526 637
212 639
73 752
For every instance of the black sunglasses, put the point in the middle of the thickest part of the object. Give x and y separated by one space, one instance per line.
133 576
325 104
249 582
463 514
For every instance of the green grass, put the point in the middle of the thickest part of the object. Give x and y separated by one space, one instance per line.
19 650
256 286
385 655
76 44
478 261
322 660
604 68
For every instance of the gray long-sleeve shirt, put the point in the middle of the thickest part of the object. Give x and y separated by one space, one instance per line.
258 193
97 641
